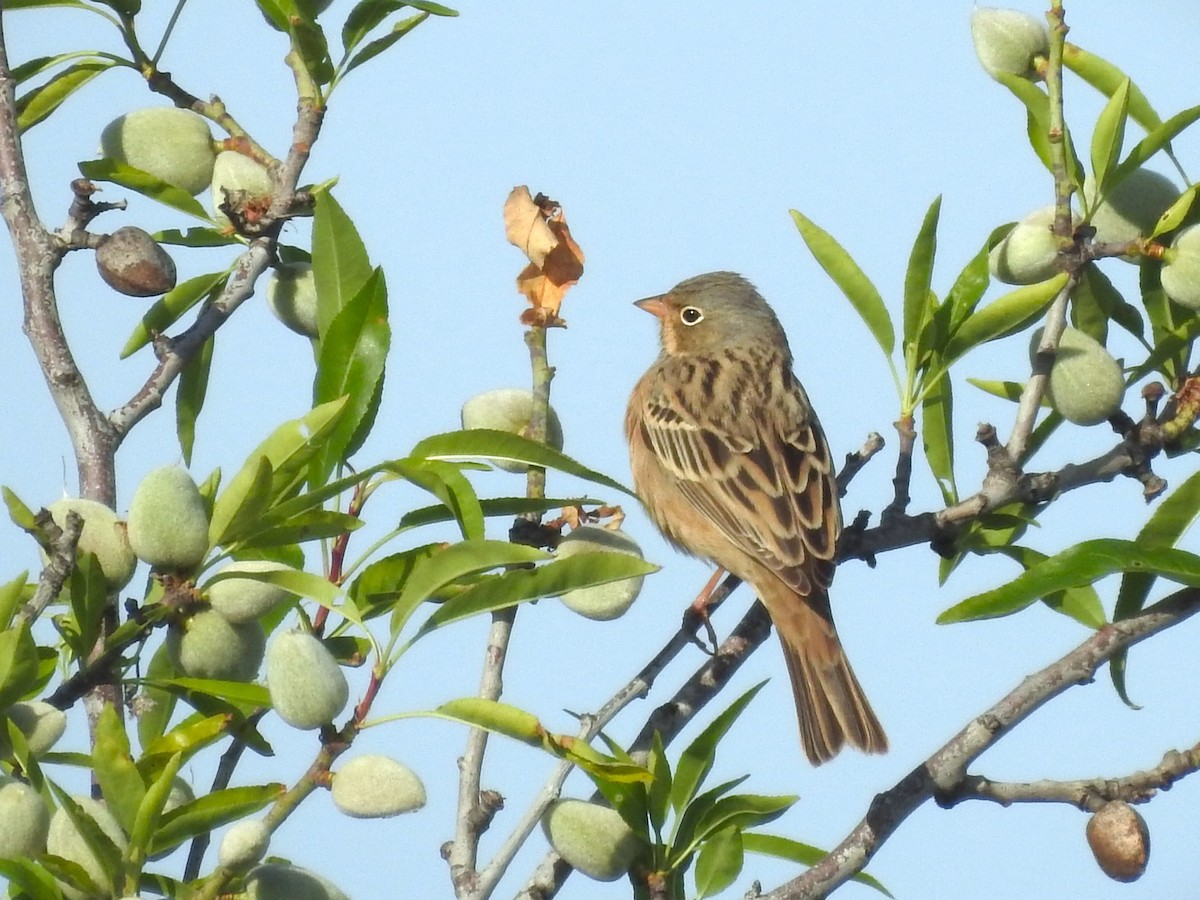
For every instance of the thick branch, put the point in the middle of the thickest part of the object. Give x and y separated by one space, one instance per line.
943 773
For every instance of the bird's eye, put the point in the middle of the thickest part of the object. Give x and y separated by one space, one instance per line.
691 315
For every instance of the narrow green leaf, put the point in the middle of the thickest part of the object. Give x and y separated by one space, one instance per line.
210 812
1003 316
107 854
119 779
919 303
446 482
37 104
498 718
12 595
1084 563
295 581
377 587
1080 603
1037 109
965 294
308 40
697 760
339 259
683 840
364 18
493 507
1107 79
379 45
195 237
252 496
32 879
1005 390
434 9
189 737
238 693
803 854
549 580
189 397
484 443
1176 213
18 664
846 274
156 715
1172 327
1109 136
1157 139
1110 301
742 811
719 862
168 308
144 183
314 525
658 792
937 436
149 812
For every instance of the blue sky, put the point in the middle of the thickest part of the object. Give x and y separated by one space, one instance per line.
677 136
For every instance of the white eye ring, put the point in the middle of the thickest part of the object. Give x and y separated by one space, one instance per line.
691 315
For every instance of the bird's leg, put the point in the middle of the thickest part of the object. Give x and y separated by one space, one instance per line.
699 610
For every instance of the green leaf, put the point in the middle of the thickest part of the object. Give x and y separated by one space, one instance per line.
1085 563
498 718
189 397
314 525
658 792
295 581
144 183
1176 213
937 435
1005 390
113 765
154 718
719 862
1003 316
18 664
965 294
339 259
485 443
1037 109
377 587
379 45
1158 138
1080 603
697 760
40 102
150 811
107 854
919 301
210 812
741 811
308 40
12 595
492 507
189 737
1109 136
1097 285
803 854
238 693
446 482
1108 79
846 274
1172 327
195 237
549 580
168 308
364 18
32 879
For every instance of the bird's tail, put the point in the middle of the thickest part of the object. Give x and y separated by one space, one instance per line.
830 704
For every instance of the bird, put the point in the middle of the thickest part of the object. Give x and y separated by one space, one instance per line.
732 466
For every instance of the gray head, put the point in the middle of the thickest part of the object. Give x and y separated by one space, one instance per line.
714 311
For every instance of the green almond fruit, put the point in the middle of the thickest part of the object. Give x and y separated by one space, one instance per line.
168 523
308 688
509 409
280 881
208 646
1007 41
245 599
292 297
40 723
1131 209
376 787
1086 384
1120 841
601 602
244 844
172 144
594 839
63 839
238 179
103 535
1029 253
1180 275
132 263
24 820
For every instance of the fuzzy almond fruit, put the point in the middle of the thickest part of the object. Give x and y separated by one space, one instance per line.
509 409
40 723
103 535
172 144
601 602
308 688
592 838
244 844
1132 208
1086 384
1180 275
1007 41
281 881
64 839
292 297
1120 841
245 599
1029 253
132 263
376 787
168 524
25 818
207 646
240 181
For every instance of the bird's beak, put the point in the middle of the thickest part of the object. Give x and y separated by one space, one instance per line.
654 305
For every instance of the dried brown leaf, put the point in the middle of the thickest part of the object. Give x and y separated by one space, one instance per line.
525 226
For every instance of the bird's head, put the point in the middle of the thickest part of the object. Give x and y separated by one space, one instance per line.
712 312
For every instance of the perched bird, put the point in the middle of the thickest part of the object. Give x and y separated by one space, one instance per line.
732 466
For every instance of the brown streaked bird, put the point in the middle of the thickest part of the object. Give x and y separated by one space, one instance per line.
732 466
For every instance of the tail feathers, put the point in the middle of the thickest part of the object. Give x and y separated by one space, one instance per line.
830 704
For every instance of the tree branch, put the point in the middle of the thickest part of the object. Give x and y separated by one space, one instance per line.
942 774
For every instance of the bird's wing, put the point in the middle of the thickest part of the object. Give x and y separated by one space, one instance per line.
764 479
